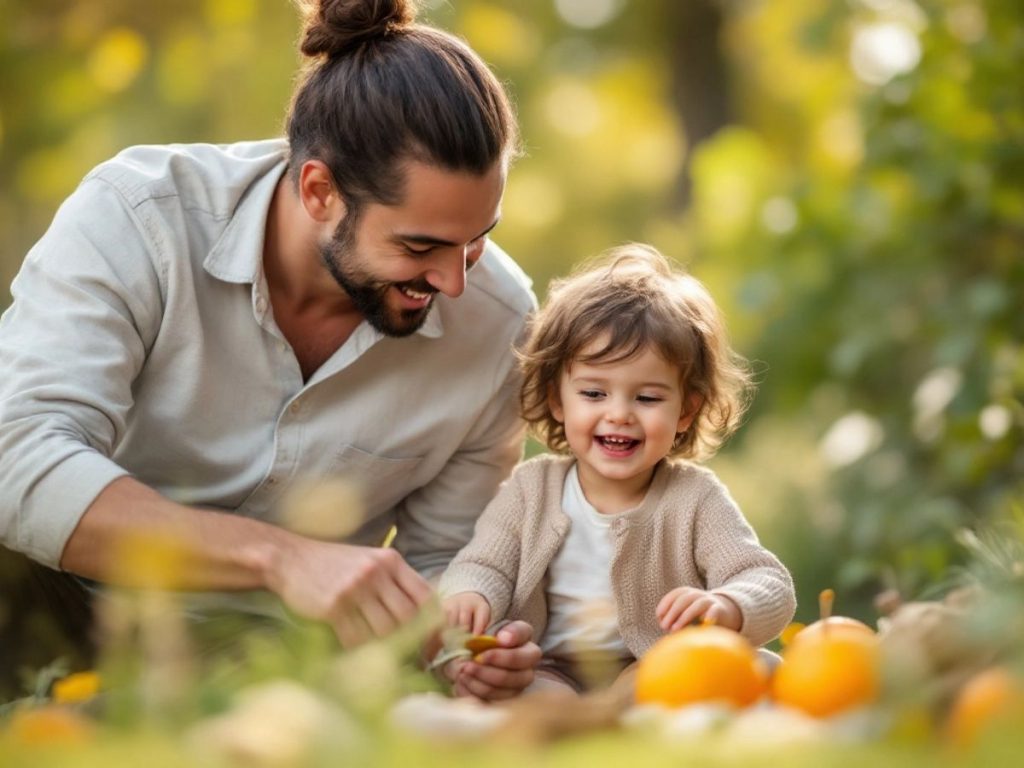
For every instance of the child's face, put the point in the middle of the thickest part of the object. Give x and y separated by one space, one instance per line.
622 418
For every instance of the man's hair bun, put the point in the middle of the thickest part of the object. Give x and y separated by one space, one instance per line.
335 26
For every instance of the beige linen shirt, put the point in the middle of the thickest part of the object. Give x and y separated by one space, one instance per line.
687 532
141 341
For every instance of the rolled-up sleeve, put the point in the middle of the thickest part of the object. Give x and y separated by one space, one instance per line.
86 305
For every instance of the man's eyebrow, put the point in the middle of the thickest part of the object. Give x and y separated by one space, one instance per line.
436 241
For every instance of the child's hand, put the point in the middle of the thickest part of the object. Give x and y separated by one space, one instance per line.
499 673
685 605
469 610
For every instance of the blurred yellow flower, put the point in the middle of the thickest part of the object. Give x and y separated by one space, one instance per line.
118 59
790 632
80 686
151 559
500 35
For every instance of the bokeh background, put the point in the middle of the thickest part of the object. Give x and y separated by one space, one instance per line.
847 176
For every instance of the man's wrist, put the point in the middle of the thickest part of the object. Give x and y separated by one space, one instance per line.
265 555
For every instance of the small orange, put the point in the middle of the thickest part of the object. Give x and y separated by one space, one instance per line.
696 664
987 699
828 672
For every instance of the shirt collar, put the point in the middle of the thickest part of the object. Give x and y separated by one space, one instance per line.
237 256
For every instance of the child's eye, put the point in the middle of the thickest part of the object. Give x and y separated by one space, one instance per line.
648 399
591 394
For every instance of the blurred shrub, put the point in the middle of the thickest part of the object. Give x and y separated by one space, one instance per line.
872 212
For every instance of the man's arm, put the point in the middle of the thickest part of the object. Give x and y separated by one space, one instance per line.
361 592
87 307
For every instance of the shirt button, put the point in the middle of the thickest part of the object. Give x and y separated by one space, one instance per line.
271 480
261 305
295 408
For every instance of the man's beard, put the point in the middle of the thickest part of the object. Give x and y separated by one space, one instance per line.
369 296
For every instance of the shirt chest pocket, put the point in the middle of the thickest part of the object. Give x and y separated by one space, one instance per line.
383 481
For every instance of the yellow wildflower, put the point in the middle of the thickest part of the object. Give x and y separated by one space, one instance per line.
80 686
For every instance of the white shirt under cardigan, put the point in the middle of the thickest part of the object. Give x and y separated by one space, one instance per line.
581 603
141 341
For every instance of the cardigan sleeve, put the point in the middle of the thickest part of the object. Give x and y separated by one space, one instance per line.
733 562
489 563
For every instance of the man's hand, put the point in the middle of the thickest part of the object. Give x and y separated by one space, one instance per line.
469 610
501 672
362 592
684 605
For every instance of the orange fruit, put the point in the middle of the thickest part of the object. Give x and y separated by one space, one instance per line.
838 624
828 672
697 664
50 725
989 698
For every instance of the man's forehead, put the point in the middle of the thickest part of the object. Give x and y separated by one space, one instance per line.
442 207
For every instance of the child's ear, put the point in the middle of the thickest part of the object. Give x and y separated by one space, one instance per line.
555 405
691 407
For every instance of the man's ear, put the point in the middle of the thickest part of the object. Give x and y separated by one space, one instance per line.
555 404
319 196
691 407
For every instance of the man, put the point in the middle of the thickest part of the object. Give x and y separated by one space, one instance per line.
204 327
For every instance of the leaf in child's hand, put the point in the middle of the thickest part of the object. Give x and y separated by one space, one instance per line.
480 643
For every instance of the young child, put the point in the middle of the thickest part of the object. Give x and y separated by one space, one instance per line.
620 538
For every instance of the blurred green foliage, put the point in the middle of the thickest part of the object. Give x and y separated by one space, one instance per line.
872 213
861 221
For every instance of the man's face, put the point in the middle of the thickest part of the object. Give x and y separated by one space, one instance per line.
392 260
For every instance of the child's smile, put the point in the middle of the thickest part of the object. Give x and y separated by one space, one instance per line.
617 445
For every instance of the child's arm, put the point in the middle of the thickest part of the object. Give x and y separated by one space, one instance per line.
684 605
736 566
469 610
489 564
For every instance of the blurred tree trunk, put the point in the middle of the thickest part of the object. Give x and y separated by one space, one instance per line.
691 35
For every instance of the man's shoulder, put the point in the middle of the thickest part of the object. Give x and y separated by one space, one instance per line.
499 282
204 177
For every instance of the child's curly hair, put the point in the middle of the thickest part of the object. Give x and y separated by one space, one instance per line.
633 297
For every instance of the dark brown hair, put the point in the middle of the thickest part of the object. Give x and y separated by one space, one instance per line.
381 90
635 300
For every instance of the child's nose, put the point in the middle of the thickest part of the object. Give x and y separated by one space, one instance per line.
619 412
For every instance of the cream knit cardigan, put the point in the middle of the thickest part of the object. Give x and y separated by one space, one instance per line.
687 532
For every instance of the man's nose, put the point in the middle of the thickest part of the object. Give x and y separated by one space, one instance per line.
449 274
